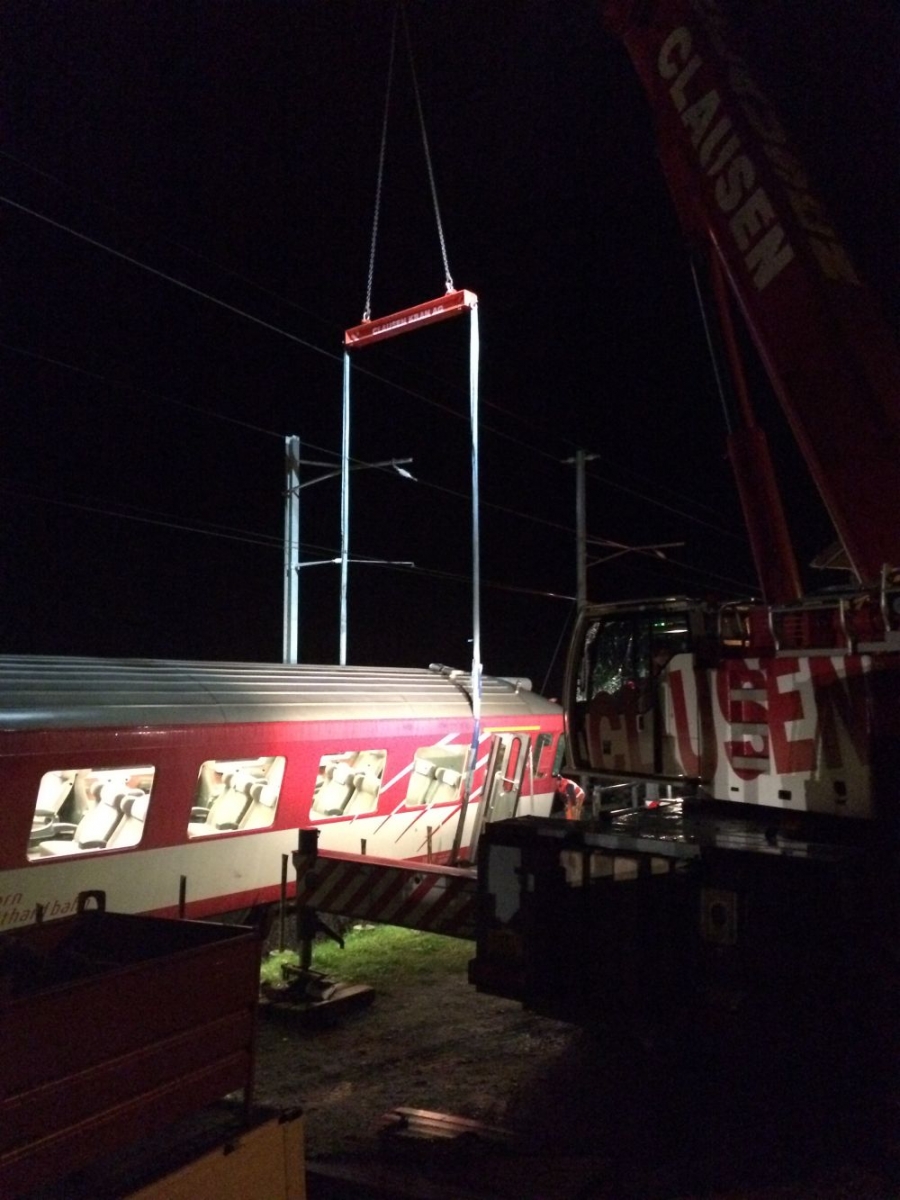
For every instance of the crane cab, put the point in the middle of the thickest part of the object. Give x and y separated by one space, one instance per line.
790 707
614 693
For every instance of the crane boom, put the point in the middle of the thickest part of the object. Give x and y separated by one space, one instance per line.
738 184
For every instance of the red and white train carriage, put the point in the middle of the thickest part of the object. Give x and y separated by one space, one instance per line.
160 782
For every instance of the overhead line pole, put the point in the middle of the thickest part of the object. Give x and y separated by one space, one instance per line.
290 622
292 563
579 461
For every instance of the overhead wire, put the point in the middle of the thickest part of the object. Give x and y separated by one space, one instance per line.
320 350
515 513
105 206
653 500
146 517
259 429
504 435
625 489
213 529
264 540
135 262
142 391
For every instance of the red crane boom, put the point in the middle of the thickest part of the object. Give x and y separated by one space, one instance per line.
736 181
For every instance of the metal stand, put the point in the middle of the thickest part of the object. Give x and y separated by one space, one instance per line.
306 992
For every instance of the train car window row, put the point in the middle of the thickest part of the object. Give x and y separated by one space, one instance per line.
84 809
349 783
236 794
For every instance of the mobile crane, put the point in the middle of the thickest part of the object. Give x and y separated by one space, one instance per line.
737 850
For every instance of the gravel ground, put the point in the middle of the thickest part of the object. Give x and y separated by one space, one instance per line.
591 1116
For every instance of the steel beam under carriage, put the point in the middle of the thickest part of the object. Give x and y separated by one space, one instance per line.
424 896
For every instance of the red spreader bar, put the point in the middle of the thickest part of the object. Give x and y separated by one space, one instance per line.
450 305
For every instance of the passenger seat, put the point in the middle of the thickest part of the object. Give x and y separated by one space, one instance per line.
130 830
261 813
421 783
98 825
336 791
365 794
448 782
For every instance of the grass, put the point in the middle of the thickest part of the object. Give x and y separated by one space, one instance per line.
377 954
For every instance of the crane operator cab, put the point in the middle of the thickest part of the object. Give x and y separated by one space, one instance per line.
617 687
790 707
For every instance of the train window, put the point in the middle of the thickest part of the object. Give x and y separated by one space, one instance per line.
560 756
88 808
543 753
511 780
436 776
670 634
236 794
348 784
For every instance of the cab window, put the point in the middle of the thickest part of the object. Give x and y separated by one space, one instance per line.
543 754
559 759
624 653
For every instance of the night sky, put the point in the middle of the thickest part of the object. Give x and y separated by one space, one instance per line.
233 147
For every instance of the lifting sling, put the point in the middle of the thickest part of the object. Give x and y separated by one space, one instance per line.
371 330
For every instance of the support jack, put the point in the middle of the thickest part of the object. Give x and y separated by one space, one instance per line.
306 993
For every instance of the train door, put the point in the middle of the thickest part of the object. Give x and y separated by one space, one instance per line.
509 756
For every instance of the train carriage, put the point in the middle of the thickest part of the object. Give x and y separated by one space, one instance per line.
178 786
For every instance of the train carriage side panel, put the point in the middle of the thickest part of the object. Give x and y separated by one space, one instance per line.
374 759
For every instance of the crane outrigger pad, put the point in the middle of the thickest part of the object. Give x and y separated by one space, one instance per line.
377 330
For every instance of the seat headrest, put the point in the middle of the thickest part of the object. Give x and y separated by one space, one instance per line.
264 793
112 794
135 805
240 781
367 783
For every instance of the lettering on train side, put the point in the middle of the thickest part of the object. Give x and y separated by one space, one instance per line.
15 910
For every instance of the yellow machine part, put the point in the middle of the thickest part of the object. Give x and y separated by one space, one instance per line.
267 1163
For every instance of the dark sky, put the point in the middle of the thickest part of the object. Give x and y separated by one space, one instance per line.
233 146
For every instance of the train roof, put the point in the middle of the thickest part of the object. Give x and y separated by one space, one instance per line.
48 692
